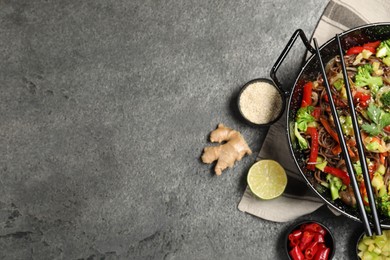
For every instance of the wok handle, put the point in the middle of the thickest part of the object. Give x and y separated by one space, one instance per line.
284 53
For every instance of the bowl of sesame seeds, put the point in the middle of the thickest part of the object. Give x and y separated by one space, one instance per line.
260 102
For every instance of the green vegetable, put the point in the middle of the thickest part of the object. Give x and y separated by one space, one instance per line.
384 204
383 49
381 169
358 170
363 77
379 120
304 117
385 98
374 146
377 181
302 141
335 185
346 125
321 163
386 61
338 84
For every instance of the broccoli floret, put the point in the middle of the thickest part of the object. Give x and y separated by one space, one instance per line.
384 205
363 77
383 49
301 140
385 99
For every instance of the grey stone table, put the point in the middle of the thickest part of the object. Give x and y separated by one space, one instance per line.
105 107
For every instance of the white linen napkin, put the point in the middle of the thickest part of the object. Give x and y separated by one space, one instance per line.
298 199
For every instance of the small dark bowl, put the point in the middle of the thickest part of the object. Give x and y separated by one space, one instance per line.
282 98
357 243
329 239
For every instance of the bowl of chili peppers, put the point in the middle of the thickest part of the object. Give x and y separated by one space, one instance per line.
309 240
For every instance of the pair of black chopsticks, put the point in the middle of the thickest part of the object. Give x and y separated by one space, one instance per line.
359 143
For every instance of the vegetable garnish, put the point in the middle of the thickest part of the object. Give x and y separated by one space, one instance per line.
379 120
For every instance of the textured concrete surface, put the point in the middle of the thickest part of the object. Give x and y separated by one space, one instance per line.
105 107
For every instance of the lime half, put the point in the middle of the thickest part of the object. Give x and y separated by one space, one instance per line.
267 179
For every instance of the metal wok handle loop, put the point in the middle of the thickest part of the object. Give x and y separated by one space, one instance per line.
284 53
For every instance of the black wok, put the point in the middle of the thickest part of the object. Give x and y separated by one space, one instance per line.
309 71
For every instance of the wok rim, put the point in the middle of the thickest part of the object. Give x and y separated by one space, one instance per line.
288 120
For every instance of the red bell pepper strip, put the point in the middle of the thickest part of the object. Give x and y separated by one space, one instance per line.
313 148
370 46
307 91
307 237
355 50
322 254
329 129
338 173
311 250
315 228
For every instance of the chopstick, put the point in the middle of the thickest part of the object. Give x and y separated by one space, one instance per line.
350 169
362 156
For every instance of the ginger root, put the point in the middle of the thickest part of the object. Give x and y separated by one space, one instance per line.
233 150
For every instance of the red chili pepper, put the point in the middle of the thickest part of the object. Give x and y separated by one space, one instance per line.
322 254
307 237
307 91
296 254
319 238
295 237
311 250
295 234
313 148
315 228
338 173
